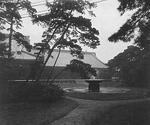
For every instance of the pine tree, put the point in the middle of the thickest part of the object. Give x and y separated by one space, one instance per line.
67 27
10 19
138 24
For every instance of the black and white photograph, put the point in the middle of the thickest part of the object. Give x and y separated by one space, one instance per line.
74 62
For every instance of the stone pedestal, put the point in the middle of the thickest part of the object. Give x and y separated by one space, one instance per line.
94 85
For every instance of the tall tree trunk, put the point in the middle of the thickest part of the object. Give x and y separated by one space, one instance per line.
43 67
49 40
57 75
50 53
10 38
51 72
41 51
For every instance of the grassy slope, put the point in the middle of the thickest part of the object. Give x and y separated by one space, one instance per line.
134 94
35 113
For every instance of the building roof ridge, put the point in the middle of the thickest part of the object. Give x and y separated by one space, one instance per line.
90 58
64 50
84 52
28 53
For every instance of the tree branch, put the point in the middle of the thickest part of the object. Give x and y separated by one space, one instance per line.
51 72
50 52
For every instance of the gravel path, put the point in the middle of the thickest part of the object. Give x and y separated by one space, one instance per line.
90 111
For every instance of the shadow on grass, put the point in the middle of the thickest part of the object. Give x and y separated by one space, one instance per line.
132 94
35 113
130 114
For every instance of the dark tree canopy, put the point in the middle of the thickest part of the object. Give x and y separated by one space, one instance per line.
139 22
85 70
132 66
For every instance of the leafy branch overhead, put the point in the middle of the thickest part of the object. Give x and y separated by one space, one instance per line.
138 23
10 19
11 10
22 40
67 27
66 13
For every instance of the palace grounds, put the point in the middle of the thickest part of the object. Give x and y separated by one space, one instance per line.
110 106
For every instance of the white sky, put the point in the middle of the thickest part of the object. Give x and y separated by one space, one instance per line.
107 21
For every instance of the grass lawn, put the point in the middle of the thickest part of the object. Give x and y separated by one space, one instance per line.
132 94
129 114
35 113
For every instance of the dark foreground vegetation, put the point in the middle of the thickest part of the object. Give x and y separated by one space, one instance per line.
12 92
23 91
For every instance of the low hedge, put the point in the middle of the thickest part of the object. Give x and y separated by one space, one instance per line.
30 92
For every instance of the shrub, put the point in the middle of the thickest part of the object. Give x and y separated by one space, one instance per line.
23 91
31 92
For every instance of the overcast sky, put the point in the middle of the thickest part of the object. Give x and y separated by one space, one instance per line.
107 21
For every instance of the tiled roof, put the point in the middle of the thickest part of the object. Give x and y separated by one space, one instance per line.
65 57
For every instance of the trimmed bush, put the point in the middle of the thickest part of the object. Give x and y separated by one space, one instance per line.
23 91
31 92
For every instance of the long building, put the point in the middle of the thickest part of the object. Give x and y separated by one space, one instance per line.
24 61
64 59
